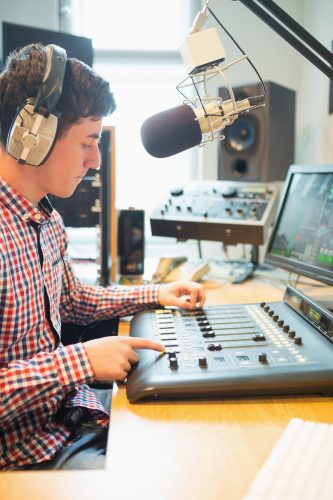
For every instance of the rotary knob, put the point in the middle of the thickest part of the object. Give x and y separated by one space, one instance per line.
262 357
202 360
173 362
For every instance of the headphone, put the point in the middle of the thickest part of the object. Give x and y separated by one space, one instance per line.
33 133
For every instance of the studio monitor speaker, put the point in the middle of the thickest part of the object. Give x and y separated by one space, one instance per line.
259 145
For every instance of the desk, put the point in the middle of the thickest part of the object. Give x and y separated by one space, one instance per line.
208 450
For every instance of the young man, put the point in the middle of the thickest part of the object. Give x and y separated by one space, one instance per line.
49 417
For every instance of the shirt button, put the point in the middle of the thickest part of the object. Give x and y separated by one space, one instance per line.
25 216
38 216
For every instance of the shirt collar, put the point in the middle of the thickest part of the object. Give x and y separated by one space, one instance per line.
22 207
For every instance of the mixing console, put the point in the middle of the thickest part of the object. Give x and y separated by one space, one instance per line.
231 350
232 212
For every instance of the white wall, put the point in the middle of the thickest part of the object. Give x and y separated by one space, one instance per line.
277 61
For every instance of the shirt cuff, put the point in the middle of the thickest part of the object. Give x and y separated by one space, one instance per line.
73 365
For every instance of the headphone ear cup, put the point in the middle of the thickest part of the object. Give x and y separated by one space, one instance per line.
26 145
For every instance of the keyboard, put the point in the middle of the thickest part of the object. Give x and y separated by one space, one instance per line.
299 466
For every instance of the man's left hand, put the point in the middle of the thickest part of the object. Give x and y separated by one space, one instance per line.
184 294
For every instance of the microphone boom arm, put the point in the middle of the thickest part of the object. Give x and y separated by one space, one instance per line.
307 45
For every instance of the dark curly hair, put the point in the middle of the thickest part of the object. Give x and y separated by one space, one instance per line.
84 92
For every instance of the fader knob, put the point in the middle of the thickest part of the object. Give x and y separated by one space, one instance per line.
275 317
291 334
286 328
262 357
208 335
298 340
280 322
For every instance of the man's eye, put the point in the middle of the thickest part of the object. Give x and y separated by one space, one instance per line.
86 146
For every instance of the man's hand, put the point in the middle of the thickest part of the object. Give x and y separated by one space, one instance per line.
184 294
112 357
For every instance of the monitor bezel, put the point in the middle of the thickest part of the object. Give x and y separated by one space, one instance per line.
287 263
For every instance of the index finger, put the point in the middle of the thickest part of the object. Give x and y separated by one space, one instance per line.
145 344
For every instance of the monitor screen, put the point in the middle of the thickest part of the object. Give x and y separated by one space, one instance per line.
302 237
16 35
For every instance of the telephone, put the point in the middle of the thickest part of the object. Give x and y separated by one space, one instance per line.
165 266
179 268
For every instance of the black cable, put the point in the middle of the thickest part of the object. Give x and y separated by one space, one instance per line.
239 48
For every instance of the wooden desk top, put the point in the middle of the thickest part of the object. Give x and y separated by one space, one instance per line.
208 450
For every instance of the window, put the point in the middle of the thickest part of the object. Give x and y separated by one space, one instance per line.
136 50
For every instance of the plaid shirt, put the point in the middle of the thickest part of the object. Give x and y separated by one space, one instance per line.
38 291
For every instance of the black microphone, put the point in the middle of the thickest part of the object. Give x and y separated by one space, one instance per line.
172 131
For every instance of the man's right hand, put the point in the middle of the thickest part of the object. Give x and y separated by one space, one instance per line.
112 358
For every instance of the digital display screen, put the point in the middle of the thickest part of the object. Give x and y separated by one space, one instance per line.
302 238
320 319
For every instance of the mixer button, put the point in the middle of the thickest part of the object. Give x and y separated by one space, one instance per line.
266 308
298 340
209 335
202 361
173 363
280 322
258 337
270 312
275 317
262 357
286 328
291 334
262 304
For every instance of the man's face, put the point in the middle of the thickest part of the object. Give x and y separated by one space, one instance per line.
71 158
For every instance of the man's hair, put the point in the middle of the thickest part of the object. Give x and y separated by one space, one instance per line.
84 92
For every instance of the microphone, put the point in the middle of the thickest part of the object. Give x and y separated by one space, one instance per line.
180 128
172 131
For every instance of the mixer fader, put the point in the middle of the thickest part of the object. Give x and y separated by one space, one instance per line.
232 350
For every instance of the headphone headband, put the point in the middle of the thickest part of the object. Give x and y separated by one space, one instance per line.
51 88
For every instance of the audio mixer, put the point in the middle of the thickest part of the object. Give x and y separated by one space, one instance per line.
235 350
228 211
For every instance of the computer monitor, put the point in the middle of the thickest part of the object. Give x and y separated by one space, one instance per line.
16 35
302 239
